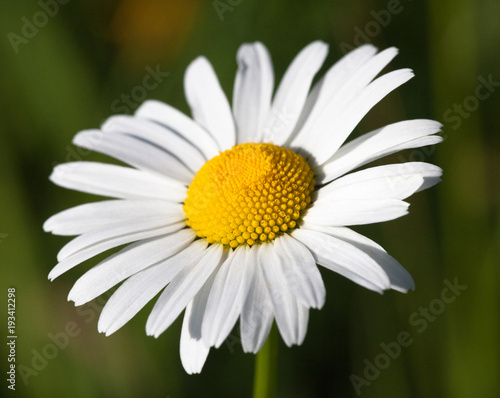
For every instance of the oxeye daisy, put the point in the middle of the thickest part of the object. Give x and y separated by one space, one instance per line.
230 213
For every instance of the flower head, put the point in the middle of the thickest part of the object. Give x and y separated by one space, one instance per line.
231 212
251 193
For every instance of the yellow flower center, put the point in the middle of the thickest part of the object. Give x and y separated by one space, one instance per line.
250 193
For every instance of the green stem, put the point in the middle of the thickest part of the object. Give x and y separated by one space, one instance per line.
264 385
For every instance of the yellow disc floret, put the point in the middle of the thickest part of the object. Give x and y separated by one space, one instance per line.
248 194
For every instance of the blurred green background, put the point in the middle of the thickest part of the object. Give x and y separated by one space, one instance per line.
78 67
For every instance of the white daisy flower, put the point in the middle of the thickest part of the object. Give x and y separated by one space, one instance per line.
232 211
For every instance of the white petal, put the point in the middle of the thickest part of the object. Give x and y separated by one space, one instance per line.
351 115
431 174
181 124
292 92
355 212
257 315
181 290
193 351
135 152
344 258
112 231
102 246
343 82
208 102
301 272
157 135
128 261
378 143
394 181
284 302
366 187
303 319
331 121
116 181
372 95
399 277
139 289
253 88
89 216
327 87
209 330
228 295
